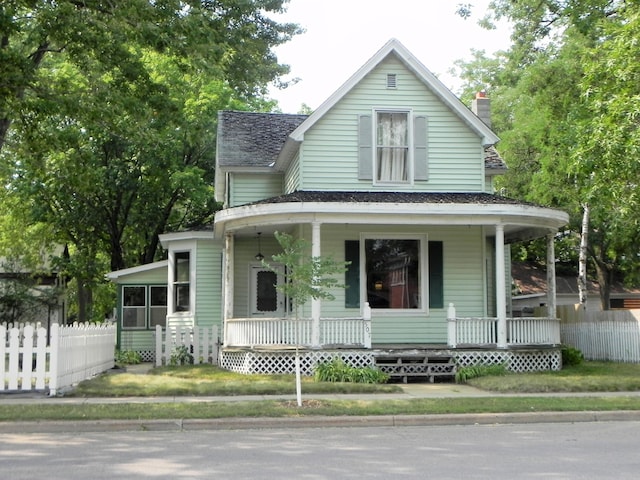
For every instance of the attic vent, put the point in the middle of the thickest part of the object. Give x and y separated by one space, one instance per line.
391 80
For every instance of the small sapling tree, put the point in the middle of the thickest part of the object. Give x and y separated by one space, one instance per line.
307 277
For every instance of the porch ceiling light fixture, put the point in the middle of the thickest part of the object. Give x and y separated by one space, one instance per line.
259 255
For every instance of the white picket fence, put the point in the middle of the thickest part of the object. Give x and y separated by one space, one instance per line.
609 336
202 343
74 353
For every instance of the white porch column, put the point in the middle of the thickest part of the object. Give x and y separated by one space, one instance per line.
551 277
501 301
227 283
315 302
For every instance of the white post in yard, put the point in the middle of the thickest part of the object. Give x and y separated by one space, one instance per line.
551 277
452 339
501 301
315 302
366 315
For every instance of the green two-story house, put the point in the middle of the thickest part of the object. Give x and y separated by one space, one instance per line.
393 174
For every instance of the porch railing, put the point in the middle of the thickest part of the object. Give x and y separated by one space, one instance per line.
521 331
250 332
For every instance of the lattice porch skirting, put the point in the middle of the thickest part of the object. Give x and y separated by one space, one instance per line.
283 361
519 361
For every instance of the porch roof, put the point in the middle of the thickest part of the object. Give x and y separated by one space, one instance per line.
521 220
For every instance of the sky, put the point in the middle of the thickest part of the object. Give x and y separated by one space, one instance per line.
341 35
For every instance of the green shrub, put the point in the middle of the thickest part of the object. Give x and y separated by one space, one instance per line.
337 371
571 356
181 356
127 357
464 374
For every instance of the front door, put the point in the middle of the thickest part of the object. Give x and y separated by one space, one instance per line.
266 300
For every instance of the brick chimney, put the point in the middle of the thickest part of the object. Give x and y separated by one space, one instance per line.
481 106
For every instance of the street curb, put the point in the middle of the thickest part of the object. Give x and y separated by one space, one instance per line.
244 423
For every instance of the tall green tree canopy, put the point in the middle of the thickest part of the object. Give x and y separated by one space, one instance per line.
565 97
113 109
231 39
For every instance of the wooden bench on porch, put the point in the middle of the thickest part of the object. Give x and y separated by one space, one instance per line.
414 365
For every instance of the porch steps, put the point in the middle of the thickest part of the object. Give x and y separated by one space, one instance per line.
416 365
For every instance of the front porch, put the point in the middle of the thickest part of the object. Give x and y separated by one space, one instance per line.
268 345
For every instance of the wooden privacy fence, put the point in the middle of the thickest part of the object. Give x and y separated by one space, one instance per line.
202 343
612 335
73 353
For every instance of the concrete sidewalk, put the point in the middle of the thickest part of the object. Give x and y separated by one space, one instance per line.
409 391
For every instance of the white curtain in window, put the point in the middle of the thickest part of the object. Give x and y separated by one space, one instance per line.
392 147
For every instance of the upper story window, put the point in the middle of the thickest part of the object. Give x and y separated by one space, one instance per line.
392 147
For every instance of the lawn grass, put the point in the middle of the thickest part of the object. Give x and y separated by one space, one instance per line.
285 408
586 377
209 380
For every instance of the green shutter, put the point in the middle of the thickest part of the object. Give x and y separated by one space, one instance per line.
436 274
352 274
420 165
365 148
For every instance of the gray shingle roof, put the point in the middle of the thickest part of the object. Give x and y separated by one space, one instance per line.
493 160
248 139
393 197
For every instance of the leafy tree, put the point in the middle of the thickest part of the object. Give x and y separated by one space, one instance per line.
564 70
231 39
113 107
606 160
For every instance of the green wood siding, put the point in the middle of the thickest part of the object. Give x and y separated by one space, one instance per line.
251 187
330 150
463 281
292 176
208 266
138 340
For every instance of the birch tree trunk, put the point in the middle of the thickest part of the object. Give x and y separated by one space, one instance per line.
582 259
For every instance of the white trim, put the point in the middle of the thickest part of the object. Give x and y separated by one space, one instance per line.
191 249
413 64
139 269
524 216
166 238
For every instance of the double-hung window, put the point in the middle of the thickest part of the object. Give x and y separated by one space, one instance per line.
181 282
392 147
144 306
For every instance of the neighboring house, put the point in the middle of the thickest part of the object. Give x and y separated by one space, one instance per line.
28 296
530 291
391 173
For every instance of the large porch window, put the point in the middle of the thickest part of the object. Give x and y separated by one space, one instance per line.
393 273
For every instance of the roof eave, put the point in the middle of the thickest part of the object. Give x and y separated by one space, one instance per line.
394 46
